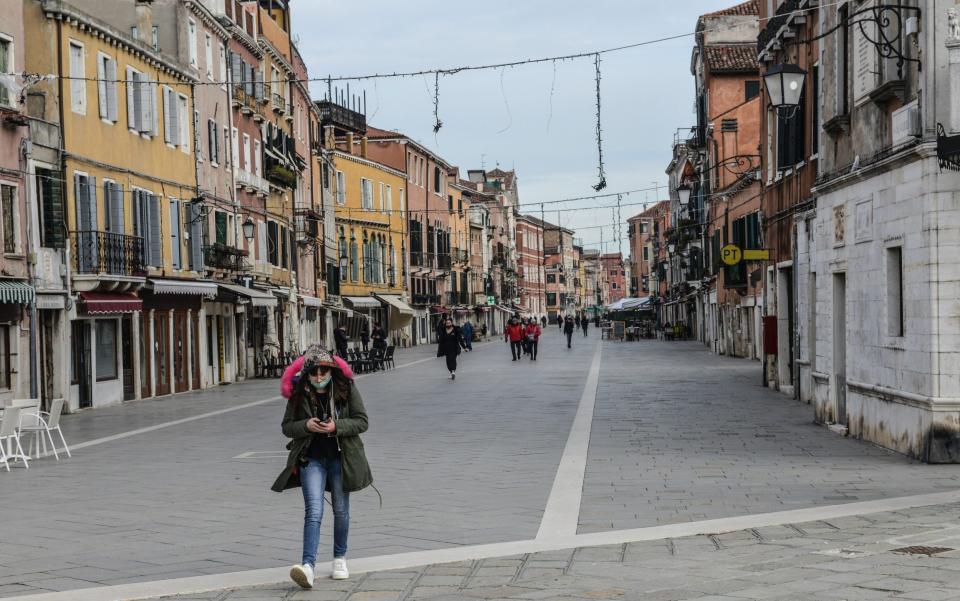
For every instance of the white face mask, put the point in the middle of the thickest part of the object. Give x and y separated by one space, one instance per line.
322 382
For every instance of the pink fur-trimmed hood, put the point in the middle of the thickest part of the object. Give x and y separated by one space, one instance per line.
292 374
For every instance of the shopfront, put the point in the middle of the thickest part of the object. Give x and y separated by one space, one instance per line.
102 356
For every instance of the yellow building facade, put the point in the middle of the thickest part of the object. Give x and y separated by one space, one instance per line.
369 200
132 233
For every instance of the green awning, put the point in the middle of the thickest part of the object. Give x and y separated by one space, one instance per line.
12 291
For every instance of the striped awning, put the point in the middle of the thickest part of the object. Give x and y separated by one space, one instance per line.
184 287
102 303
310 301
12 291
362 302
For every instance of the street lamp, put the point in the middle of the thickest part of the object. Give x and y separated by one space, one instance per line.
683 191
671 247
784 85
248 229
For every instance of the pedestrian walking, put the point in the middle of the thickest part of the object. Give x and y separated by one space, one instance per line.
467 331
533 338
543 321
568 327
449 344
340 339
514 335
324 417
365 337
379 337
560 321
483 330
584 323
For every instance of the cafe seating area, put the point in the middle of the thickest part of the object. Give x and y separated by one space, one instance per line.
23 420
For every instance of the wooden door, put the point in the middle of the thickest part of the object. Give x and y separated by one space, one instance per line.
146 365
181 356
126 346
161 350
195 350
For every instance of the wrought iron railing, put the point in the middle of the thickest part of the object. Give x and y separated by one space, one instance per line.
342 117
425 299
443 261
457 298
107 253
416 259
221 256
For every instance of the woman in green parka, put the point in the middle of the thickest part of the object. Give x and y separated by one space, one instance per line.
324 418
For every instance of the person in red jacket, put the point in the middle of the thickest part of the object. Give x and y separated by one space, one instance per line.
533 338
514 335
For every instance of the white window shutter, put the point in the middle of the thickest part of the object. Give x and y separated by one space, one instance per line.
154 113
167 117
174 118
112 90
102 86
132 112
116 205
156 240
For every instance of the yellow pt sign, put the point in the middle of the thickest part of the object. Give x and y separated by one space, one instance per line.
731 254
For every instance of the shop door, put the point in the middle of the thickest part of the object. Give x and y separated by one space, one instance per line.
126 350
221 349
195 351
840 345
161 350
80 334
181 352
146 364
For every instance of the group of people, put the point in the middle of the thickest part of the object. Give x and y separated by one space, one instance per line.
342 339
524 338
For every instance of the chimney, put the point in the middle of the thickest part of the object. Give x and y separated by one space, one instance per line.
145 21
350 143
363 147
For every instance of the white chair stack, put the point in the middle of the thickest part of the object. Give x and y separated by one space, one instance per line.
42 424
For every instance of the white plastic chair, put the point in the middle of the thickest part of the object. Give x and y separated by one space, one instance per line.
10 449
41 423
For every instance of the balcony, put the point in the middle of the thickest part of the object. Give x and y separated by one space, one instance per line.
228 258
248 105
279 104
456 298
459 256
425 299
417 259
251 181
97 253
443 262
341 117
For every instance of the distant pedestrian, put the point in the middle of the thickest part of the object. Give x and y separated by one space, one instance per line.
324 418
568 328
514 335
533 338
543 321
365 337
379 337
584 323
576 321
560 321
467 331
340 339
449 344
483 329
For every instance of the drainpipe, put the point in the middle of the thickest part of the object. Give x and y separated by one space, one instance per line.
31 266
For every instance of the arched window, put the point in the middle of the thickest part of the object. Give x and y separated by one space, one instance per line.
354 265
366 258
343 255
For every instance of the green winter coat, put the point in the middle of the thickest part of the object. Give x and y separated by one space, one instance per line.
351 422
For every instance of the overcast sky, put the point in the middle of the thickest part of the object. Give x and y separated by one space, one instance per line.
510 117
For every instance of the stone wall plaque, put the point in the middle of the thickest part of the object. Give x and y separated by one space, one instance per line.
863 220
839 225
866 60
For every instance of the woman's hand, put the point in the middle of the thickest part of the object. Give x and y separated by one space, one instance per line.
315 425
328 427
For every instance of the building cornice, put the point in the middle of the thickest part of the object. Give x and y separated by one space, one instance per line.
275 55
61 11
208 19
339 154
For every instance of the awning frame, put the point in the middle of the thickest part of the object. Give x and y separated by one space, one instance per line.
362 302
257 298
184 287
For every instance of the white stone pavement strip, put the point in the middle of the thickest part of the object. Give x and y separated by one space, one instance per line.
278 576
562 514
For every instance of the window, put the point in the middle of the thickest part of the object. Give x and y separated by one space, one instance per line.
141 103
106 349
790 136
551 299
52 213
175 224
383 197
341 188
815 113
366 192
273 243
78 85
842 48
751 89
146 224
436 180
325 176
354 264
183 113
643 227
113 208
6 66
107 87
613 285
246 153
223 64
8 206
895 291
171 117
208 55
646 254
551 278
257 161
389 199
235 146
342 247
192 41
213 141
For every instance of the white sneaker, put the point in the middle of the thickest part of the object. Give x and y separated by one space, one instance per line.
302 575
340 571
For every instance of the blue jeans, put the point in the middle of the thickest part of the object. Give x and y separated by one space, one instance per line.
314 477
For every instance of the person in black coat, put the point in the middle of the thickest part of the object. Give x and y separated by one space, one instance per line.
365 337
568 327
341 338
450 341
379 337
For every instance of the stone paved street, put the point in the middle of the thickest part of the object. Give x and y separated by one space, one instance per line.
178 487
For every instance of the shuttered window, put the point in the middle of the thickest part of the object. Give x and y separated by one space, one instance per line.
273 246
87 241
213 141
146 224
176 248
52 213
790 136
107 87
113 208
78 85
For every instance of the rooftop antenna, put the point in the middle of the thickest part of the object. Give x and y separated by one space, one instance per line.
483 162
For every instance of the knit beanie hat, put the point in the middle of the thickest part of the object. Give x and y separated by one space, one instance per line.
315 356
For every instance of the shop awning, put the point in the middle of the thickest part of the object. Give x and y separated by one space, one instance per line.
311 301
101 303
362 302
184 287
257 298
400 312
396 303
12 291
337 309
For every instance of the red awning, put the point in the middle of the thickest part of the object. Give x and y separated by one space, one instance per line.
99 303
